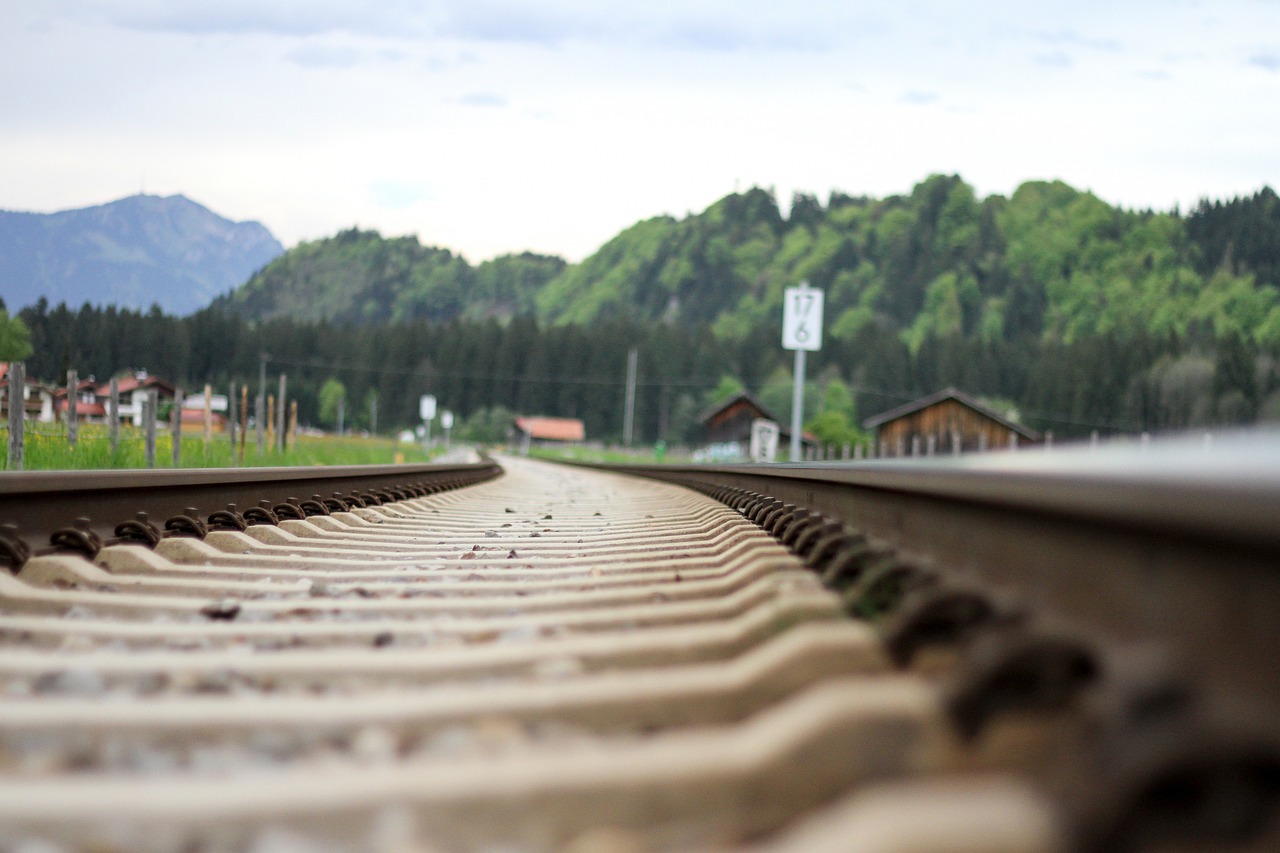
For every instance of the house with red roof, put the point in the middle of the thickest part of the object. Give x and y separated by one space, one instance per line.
37 398
549 431
133 392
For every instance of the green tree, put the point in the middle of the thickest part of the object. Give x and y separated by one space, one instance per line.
15 338
332 394
728 388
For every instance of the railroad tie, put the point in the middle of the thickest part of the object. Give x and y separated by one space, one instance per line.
554 659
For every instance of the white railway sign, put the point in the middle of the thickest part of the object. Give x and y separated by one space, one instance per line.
802 318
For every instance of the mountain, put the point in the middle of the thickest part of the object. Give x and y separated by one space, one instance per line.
131 253
362 277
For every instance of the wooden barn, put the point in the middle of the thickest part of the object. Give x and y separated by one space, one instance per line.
731 420
730 423
946 422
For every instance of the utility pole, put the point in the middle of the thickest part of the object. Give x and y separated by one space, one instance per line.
629 408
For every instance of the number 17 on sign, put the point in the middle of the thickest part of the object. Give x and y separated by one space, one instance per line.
802 332
802 318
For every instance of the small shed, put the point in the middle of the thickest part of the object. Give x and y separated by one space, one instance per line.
193 420
949 421
730 424
549 431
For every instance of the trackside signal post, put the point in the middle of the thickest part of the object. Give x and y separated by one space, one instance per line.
427 409
802 332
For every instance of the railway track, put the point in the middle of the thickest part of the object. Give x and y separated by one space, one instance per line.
538 657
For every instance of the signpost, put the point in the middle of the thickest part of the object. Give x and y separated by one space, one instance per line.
446 421
764 440
427 409
802 332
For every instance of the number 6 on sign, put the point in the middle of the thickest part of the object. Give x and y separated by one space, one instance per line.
802 319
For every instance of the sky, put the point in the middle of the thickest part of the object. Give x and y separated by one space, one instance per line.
496 126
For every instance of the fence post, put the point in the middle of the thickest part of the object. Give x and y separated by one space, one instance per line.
244 418
280 427
293 423
149 407
113 413
175 426
259 411
231 420
271 419
17 397
208 413
71 417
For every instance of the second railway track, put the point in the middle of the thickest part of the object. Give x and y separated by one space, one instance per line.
556 658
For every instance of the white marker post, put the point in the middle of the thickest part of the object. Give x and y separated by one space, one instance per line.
446 421
427 409
802 332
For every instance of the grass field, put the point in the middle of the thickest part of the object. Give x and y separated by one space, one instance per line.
46 449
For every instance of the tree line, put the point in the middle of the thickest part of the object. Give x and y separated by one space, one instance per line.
486 371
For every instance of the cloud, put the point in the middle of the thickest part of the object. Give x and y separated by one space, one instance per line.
711 25
1071 38
311 55
919 98
707 25
398 195
269 17
498 22
1057 59
482 99
1266 61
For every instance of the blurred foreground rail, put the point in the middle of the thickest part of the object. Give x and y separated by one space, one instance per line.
879 659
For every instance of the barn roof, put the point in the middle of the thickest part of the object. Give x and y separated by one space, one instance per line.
950 394
750 401
552 429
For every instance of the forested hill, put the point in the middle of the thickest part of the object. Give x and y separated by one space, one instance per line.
362 277
1049 262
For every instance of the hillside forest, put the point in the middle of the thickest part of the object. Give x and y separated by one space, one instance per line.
1069 313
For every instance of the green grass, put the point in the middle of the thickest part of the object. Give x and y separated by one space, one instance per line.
46 449
609 455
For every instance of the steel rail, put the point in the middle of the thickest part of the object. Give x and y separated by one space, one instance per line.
1184 558
39 502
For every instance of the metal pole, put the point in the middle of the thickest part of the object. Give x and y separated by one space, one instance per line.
797 406
629 409
17 408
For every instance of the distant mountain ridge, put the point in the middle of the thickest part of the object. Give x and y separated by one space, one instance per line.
131 253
